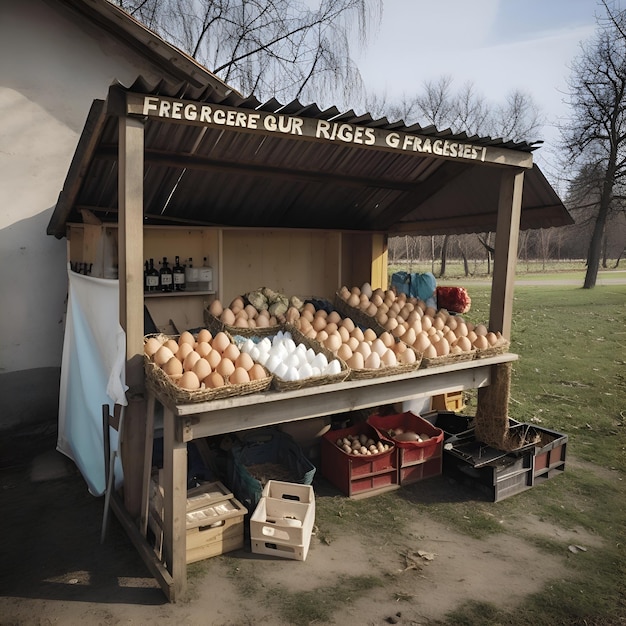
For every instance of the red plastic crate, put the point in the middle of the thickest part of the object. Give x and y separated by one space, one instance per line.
358 475
412 453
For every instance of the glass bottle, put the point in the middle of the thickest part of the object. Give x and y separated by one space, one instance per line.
178 272
165 276
152 277
205 277
191 276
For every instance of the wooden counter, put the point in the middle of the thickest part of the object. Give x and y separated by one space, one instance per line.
184 422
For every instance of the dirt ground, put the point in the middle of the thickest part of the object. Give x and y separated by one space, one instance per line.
55 571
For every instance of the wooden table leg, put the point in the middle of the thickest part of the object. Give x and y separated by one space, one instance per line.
175 504
147 464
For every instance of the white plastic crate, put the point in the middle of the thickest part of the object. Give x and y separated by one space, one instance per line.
281 526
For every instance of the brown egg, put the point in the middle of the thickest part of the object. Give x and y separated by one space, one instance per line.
372 362
356 361
321 336
480 329
257 372
244 360
364 348
442 347
389 359
371 309
204 347
227 317
353 300
344 352
201 369
239 376
189 381
353 343
241 322
378 346
387 338
186 337
427 322
464 344
237 304
172 345
214 357
409 336
204 335
348 324
163 355
430 352
369 334
492 338
334 318
262 321
319 323
173 367
231 352
343 333
183 350
151 346
391 324
407 357
216 308
357 333
333 342
214 380
190 361
421 342
461 329
225 367
220 342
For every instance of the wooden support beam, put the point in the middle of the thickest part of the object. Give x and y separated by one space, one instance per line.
130 264
505 257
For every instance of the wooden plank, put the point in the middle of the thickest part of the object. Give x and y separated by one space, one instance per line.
505 257
293 406
146 552
174 503
379 277
130 263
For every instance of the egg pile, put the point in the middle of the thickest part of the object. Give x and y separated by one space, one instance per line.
360 349
241 315
288 360
361 445
432 333
204 361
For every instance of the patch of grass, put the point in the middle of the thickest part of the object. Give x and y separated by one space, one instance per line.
319 605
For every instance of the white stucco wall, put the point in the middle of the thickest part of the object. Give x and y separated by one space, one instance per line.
53 65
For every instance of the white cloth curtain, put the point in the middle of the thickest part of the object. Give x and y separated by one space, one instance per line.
92 374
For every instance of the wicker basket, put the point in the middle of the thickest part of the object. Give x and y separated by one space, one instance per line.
356 315
215 326
502 348
163 386
290 385
392 370
449 358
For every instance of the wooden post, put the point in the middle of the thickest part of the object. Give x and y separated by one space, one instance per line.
379 277
505 258
130 263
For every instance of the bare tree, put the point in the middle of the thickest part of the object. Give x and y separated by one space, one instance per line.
595 137
273 48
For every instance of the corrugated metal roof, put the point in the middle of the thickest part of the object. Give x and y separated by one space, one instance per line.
223 176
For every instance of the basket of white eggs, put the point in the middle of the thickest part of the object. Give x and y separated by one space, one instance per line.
294 360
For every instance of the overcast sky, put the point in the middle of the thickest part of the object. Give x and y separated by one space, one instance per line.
498 45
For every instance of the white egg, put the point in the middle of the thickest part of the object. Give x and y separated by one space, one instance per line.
264 345
310 354
305 371
254 353
290 345
293 360
320 361
262 358
280 370
291 374
316 371
247 346
272 362
334 367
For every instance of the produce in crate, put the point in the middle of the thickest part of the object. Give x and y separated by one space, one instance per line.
361 444
454 299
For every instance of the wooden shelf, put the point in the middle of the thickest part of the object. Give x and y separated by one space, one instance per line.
176 294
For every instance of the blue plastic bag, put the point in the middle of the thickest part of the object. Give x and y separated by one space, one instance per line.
416 285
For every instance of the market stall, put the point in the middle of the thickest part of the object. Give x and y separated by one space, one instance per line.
291 196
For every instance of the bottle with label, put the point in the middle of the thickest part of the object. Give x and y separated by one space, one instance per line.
152 277
178 272
191 276
165 276
205 277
